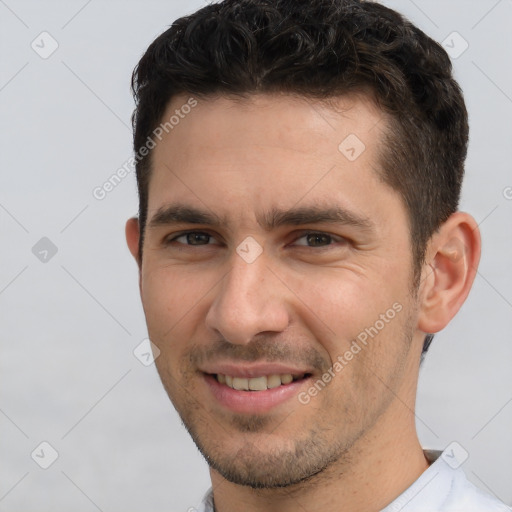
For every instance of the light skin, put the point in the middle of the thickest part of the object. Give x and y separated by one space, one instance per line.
245 165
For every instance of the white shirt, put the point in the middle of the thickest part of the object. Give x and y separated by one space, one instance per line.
443 487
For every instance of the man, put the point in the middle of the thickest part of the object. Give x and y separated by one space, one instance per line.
299 165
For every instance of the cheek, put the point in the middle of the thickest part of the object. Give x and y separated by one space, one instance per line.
172 299
362 320
341 303
363 325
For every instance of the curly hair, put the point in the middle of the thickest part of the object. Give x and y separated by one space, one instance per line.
321 49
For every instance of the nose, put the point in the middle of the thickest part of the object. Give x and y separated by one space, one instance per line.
251 300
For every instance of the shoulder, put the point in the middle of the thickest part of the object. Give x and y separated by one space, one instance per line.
444 487
466 497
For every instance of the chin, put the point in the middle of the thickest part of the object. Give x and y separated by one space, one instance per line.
259 465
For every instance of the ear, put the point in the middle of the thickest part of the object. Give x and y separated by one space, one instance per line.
132 232
452 258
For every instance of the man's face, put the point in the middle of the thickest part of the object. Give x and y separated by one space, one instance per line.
328 261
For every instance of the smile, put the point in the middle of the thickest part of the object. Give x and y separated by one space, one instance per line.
261 383
255 390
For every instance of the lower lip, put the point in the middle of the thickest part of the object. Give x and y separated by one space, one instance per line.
253 402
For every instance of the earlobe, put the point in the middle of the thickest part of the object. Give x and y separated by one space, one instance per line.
132 232
453 255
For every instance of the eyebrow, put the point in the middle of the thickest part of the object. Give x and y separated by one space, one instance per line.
178 213
316 215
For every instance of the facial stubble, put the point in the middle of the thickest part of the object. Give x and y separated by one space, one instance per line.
265 460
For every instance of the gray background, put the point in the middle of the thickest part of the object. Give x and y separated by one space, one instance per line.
69 324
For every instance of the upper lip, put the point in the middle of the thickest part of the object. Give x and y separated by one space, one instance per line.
250 370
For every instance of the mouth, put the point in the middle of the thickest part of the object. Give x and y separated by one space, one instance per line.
259 383
255 392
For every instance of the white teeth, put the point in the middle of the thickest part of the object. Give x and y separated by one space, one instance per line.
273 381
240 384
256 383
286 378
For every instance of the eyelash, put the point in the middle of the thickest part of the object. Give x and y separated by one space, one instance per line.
333 238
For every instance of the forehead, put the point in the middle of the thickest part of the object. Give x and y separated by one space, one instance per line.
295 122
267 151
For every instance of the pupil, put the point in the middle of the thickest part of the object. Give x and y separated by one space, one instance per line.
197 238
318 239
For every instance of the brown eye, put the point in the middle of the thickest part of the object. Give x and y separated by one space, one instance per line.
197 238
193 238
315 240
318 239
